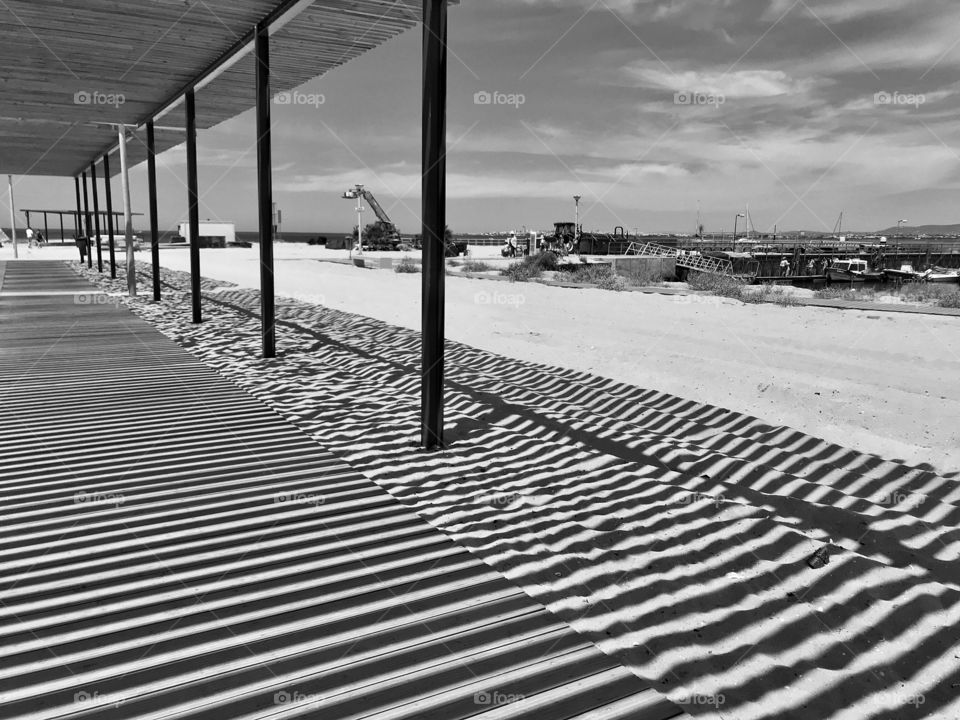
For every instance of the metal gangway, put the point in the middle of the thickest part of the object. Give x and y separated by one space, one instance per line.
683 258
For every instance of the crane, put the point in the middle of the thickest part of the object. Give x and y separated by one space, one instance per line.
389 238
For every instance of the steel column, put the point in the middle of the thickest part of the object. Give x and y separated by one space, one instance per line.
152 197
434 218
110 218
96 215
76 218
86 221
13 219
131 264
193 199
265 192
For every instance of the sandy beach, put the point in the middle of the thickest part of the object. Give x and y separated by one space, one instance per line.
875 382
658 472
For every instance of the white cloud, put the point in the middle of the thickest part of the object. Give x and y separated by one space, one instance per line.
735 84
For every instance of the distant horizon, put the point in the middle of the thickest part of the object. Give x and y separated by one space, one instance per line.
951 228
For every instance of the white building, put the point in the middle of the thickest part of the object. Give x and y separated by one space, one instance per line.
212 234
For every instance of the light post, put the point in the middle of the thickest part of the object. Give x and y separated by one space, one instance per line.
737 218
357 194
576 224
900 227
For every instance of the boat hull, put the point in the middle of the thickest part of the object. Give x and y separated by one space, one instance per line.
845 277
942 279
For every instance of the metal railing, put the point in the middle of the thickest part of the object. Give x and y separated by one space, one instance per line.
683 258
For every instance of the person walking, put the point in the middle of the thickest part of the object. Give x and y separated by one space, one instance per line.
784 267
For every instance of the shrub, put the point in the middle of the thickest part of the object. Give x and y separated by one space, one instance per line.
476 266
545 260
643 276
951 300
406 265
521 271
723 285
611 281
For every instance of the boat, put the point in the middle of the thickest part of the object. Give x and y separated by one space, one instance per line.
852 270
941 275
906 273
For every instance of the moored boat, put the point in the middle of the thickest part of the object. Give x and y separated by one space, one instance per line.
852 270
906 273
941 275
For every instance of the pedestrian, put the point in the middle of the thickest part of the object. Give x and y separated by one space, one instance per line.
30 237
784 267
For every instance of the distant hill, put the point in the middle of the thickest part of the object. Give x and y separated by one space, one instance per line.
923 230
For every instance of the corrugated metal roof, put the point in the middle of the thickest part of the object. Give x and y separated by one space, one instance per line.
170 547
68 66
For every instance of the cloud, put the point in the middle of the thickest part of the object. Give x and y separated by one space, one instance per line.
736 84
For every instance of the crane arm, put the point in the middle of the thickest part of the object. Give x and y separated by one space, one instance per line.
378 211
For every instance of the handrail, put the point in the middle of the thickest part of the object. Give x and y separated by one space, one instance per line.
693 262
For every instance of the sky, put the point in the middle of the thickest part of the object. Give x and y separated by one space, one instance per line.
648 109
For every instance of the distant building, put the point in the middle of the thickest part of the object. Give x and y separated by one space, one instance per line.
212 234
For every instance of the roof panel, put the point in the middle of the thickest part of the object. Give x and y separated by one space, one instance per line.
74 68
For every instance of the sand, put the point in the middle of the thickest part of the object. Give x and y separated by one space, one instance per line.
878 382
673 534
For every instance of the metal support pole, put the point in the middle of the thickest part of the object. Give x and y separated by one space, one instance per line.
96 215
152 193
434 217
127 215
193 199
46 228
61 229
265 192
13 218
86 221
110 218
76 218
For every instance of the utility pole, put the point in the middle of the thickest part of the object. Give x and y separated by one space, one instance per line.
13 218
357 193
576 224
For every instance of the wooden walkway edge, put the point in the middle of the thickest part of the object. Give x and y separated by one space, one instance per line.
171 547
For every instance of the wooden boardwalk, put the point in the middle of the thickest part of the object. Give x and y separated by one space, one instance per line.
171 547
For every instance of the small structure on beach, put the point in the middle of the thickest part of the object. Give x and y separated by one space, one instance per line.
211 234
